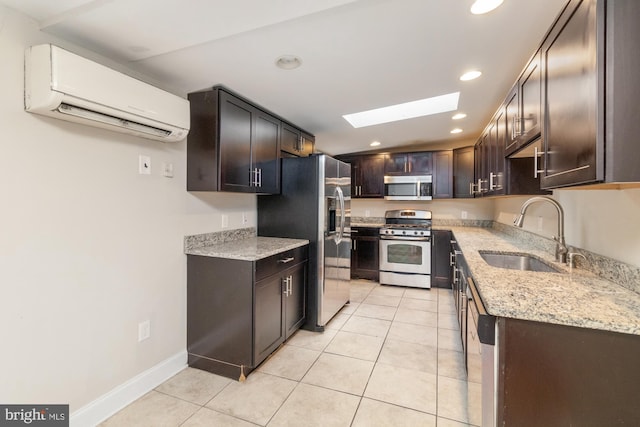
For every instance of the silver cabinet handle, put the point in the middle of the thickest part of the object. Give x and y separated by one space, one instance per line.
286 260
452 259
285 282
260 177
536 153
290 285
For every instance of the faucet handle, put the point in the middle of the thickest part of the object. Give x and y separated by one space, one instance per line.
570 259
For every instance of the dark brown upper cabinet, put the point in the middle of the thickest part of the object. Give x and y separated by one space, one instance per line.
523 108
418 163
295 141
463 177
367 175
443 174
591 92
232 144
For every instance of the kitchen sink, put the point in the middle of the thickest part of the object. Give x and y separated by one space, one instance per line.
517 261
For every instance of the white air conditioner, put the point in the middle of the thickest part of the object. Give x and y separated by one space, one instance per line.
66 86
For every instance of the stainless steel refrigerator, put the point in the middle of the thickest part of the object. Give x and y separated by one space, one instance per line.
315 204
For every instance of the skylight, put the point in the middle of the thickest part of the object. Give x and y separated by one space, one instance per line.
408 110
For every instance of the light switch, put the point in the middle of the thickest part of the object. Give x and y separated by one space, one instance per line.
167 169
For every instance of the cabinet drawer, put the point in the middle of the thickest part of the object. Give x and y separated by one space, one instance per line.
365 231
265 267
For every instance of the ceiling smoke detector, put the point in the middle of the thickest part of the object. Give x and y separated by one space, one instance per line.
288 62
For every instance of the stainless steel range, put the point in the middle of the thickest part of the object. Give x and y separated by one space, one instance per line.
405 248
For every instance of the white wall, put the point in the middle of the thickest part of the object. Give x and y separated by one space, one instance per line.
601 221
88 248
441 209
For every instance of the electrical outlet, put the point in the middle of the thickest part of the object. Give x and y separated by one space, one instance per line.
463 214
144 330
245 218
539 223
144 165
367 213
225 221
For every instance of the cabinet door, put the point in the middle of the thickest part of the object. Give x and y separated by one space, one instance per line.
371 176
570 98
265 153
463 163
530 102
268 317
396 164
365 252
443 174
511 121
295 313
441 248
307 145
290 139
235 144
421 163
497 155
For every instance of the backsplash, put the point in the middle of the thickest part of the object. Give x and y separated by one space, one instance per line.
625 275
206 239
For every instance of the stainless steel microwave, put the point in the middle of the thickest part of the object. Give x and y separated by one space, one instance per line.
418 187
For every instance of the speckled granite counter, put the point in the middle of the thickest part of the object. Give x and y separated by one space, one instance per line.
578 299
241 244
362 221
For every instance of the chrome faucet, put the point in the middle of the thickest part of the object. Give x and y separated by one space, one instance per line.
561 247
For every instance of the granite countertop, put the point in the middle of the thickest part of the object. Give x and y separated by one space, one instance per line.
247 249
579 298
367 224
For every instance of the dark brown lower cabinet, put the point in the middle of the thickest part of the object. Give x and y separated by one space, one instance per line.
239 312
440 259
555 375
365 253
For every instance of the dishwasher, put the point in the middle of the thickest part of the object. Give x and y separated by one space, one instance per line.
480 352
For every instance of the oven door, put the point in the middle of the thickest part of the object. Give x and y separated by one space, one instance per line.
405 256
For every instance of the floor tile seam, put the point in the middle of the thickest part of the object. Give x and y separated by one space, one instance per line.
279 407
456 421
404 322
353 417
400 406
185 400
290 379
375 363
333 389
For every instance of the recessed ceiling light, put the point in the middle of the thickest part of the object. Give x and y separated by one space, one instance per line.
484 6
459 116
456 130
470 75
408 110
375 143
288 62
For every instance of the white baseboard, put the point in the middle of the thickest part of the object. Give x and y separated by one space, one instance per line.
110 403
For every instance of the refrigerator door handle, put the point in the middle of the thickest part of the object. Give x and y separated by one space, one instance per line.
340 197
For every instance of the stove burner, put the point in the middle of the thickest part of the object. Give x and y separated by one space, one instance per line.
407 224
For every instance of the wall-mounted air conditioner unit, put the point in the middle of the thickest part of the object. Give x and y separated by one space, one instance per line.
66 86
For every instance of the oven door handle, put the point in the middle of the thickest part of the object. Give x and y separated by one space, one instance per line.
407 238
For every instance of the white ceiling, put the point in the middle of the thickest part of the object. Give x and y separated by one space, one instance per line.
357 55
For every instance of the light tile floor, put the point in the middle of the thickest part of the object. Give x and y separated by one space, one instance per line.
390 358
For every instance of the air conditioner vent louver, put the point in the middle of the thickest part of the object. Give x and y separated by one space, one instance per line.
111 120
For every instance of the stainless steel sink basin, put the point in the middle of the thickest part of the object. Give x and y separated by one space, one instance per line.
517 261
